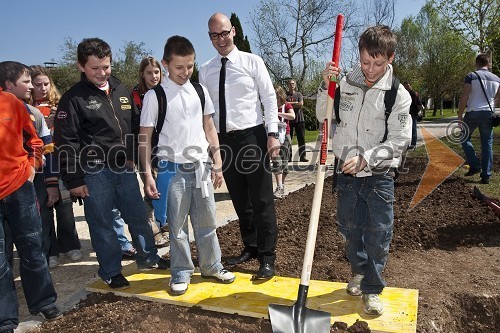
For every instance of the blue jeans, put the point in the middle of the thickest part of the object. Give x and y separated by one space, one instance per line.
119 226
413 131
109 189
481 120
183 199
365 218
20 211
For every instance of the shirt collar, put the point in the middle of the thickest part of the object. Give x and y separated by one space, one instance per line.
232 56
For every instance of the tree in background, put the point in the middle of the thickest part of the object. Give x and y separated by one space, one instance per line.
476 20
126 62
240 40
66 73
427 56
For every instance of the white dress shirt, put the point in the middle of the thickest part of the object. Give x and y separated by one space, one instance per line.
182 138
248 84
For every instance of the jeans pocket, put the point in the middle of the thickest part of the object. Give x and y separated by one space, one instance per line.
384 194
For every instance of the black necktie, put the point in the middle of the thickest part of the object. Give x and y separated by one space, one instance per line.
222 97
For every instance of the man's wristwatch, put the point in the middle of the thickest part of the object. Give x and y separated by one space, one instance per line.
273 134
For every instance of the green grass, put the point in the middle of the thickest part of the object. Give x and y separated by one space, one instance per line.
493 188
446 114
311 136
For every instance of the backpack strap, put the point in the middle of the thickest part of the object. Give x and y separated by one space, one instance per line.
336 103
162 106
201 94
389 100
137 99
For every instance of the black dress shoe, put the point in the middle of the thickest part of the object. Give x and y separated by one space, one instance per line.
244 256
266 271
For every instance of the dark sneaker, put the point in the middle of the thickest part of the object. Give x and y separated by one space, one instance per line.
472 172
129 254
51 314
485 180
117 282
161 264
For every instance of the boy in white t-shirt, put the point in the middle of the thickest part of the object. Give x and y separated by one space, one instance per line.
183 145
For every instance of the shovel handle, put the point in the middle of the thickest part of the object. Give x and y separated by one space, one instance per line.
320 177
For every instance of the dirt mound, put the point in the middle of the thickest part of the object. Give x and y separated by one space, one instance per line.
448 247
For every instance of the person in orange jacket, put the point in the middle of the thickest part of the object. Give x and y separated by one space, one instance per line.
20 156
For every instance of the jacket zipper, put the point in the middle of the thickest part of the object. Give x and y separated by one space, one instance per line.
114 114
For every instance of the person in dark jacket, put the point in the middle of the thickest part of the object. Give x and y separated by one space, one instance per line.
95 146
416 107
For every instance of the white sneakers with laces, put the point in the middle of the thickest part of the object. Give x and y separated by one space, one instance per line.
354 286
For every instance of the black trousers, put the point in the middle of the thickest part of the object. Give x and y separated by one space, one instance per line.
300 128
247 173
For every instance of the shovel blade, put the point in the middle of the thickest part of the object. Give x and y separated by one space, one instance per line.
293 319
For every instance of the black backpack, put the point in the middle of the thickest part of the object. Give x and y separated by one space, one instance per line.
162 113
389 100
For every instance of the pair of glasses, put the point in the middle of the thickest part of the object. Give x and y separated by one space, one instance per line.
215 35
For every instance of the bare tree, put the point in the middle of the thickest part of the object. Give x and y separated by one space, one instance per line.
292 33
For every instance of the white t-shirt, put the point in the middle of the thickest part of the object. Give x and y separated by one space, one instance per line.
182 138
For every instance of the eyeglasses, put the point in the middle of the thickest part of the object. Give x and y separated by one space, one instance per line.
215 35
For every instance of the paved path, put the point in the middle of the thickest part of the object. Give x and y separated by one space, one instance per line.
70 279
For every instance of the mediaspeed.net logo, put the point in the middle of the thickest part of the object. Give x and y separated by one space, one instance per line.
443 161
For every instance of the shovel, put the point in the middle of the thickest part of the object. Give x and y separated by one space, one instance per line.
494 206
298 318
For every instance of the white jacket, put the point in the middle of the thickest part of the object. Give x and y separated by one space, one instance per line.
362 126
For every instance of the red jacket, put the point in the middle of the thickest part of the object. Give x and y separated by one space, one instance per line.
16 129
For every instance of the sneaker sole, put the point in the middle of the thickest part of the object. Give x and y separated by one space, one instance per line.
352 293
219 280
373 312
178 293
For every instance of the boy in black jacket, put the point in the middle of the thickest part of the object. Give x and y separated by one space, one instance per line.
94 140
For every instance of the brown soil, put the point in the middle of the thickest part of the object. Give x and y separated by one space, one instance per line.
448 248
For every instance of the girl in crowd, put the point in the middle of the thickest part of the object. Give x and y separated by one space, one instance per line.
280 162
45 97
150 75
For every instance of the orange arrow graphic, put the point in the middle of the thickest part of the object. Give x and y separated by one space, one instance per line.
443 162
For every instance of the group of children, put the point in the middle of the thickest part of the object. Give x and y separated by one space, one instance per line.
95 129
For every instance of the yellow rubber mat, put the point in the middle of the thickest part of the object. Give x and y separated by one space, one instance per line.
251 297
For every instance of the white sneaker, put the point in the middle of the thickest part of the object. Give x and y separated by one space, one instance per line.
372 304
222 276
354 286
279 192
74 255
53 262
178 288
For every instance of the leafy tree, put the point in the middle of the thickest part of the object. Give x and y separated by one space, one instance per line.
476 20
427 56
66 73
126 63
240 40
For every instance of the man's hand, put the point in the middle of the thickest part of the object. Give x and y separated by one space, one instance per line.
52 196
273 146
354 165
80 191
217 177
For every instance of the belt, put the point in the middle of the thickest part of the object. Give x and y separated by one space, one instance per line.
238 133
